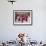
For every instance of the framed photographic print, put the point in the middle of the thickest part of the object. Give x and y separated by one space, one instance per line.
22 17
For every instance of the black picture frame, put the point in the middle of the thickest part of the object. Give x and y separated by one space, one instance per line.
31 16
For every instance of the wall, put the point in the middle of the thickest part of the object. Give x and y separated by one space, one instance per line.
37 31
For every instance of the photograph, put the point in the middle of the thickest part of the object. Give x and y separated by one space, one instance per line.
22 17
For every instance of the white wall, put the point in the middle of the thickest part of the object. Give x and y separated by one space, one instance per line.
37 31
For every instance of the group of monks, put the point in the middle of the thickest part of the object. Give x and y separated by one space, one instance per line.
22 16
